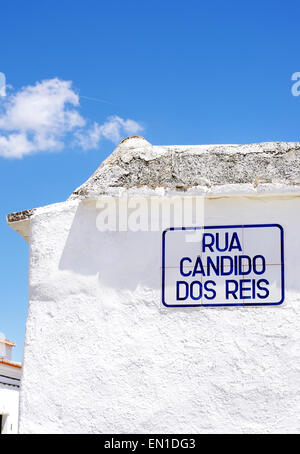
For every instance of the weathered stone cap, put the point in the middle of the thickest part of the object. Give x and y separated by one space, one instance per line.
136 163
19 221
214 170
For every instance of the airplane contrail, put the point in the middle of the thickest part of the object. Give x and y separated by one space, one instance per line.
95 99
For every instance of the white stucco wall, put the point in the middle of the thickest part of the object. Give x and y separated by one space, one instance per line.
102 354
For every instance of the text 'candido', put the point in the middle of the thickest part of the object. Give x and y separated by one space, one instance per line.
224 266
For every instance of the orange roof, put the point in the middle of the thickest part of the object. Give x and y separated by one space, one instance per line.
10 363
7 342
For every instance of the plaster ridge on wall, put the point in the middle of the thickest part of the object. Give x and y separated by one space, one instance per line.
20 221
119 192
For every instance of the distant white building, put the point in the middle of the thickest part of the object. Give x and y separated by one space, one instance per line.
10 378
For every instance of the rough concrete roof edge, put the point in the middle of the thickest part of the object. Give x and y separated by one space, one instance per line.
141 142
137 163
109 175
19 216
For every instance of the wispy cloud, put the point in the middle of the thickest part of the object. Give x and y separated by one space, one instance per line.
45 117
112 129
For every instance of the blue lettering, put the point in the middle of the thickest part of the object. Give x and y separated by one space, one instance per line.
198 264
210 264
227 271
235 239
184 297
181 266
198 287
206 244
233 290
242 266
206 287
265 290
244 289
262 264
218 242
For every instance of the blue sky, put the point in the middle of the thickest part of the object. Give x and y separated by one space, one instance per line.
192 72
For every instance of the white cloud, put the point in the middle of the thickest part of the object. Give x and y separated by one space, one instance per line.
112 129
45 117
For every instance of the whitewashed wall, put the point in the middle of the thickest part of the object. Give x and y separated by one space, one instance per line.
102 353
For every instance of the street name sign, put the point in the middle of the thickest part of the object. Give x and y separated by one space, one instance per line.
227 265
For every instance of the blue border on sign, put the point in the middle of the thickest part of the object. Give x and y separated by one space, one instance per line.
224 227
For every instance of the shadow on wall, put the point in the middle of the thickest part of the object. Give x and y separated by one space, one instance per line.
122 260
